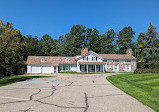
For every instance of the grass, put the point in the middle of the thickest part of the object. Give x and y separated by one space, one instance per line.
14 79
143 87
80 72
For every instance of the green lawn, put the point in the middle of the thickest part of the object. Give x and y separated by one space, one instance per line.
81 72
143 87
14 79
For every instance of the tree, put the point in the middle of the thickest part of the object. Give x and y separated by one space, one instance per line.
94 40
108 42
151 47
31 46
140 44
124 41
10 50
48 46
73 42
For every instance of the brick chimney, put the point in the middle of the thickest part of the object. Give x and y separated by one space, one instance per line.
84 52
129 51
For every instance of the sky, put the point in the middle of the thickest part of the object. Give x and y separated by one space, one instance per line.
56 17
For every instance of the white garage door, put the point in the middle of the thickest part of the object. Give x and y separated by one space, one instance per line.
36 69
46 69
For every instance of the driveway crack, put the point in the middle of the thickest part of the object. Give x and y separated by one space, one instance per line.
86 102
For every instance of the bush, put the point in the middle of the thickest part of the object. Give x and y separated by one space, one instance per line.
146 70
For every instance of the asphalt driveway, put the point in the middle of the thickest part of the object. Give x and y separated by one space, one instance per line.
68 93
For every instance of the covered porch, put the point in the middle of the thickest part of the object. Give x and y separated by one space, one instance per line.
91 66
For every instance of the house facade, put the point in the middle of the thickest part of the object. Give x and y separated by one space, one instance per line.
86 62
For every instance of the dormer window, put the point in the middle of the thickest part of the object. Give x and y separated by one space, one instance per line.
85 58
67 60
42 59
93 58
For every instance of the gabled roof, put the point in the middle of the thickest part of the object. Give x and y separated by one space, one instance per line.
53 60
91 63
90 53
117 56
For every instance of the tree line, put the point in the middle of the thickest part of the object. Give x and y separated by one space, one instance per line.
15 47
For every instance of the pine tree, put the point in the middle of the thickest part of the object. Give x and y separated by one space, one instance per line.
151 47
140 44
108 42
124 41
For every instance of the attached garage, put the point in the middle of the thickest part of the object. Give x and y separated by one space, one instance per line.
35 69
46 68
39 69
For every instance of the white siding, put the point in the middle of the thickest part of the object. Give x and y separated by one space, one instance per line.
46 68
28 68
90 59
35 69
73 68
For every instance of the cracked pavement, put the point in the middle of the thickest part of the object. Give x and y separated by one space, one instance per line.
66 93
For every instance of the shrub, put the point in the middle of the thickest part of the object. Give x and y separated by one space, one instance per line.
146 70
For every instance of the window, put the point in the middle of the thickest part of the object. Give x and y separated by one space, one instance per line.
67 60
115 67
85 58
115 60
60 68
128 67
127 60
42 59
93 58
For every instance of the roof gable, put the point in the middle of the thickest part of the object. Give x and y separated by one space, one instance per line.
53 60
90 53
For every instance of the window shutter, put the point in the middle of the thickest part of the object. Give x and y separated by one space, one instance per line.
113 67
87 58
125 67
129 67
117 67
96 58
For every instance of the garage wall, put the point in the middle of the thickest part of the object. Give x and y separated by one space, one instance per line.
37 68
28 68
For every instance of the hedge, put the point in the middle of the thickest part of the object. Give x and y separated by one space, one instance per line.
145 70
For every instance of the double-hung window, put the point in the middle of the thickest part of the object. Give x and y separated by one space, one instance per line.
93 58
85 58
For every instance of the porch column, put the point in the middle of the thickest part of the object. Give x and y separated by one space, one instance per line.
103 68
56 69
87 68
95 68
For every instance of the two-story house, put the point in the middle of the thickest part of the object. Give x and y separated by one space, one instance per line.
86 62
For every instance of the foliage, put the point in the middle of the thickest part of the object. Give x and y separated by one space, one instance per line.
151 47
146 70
48 46
124 41
15 48
140 44
108 45
143 87
10 50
